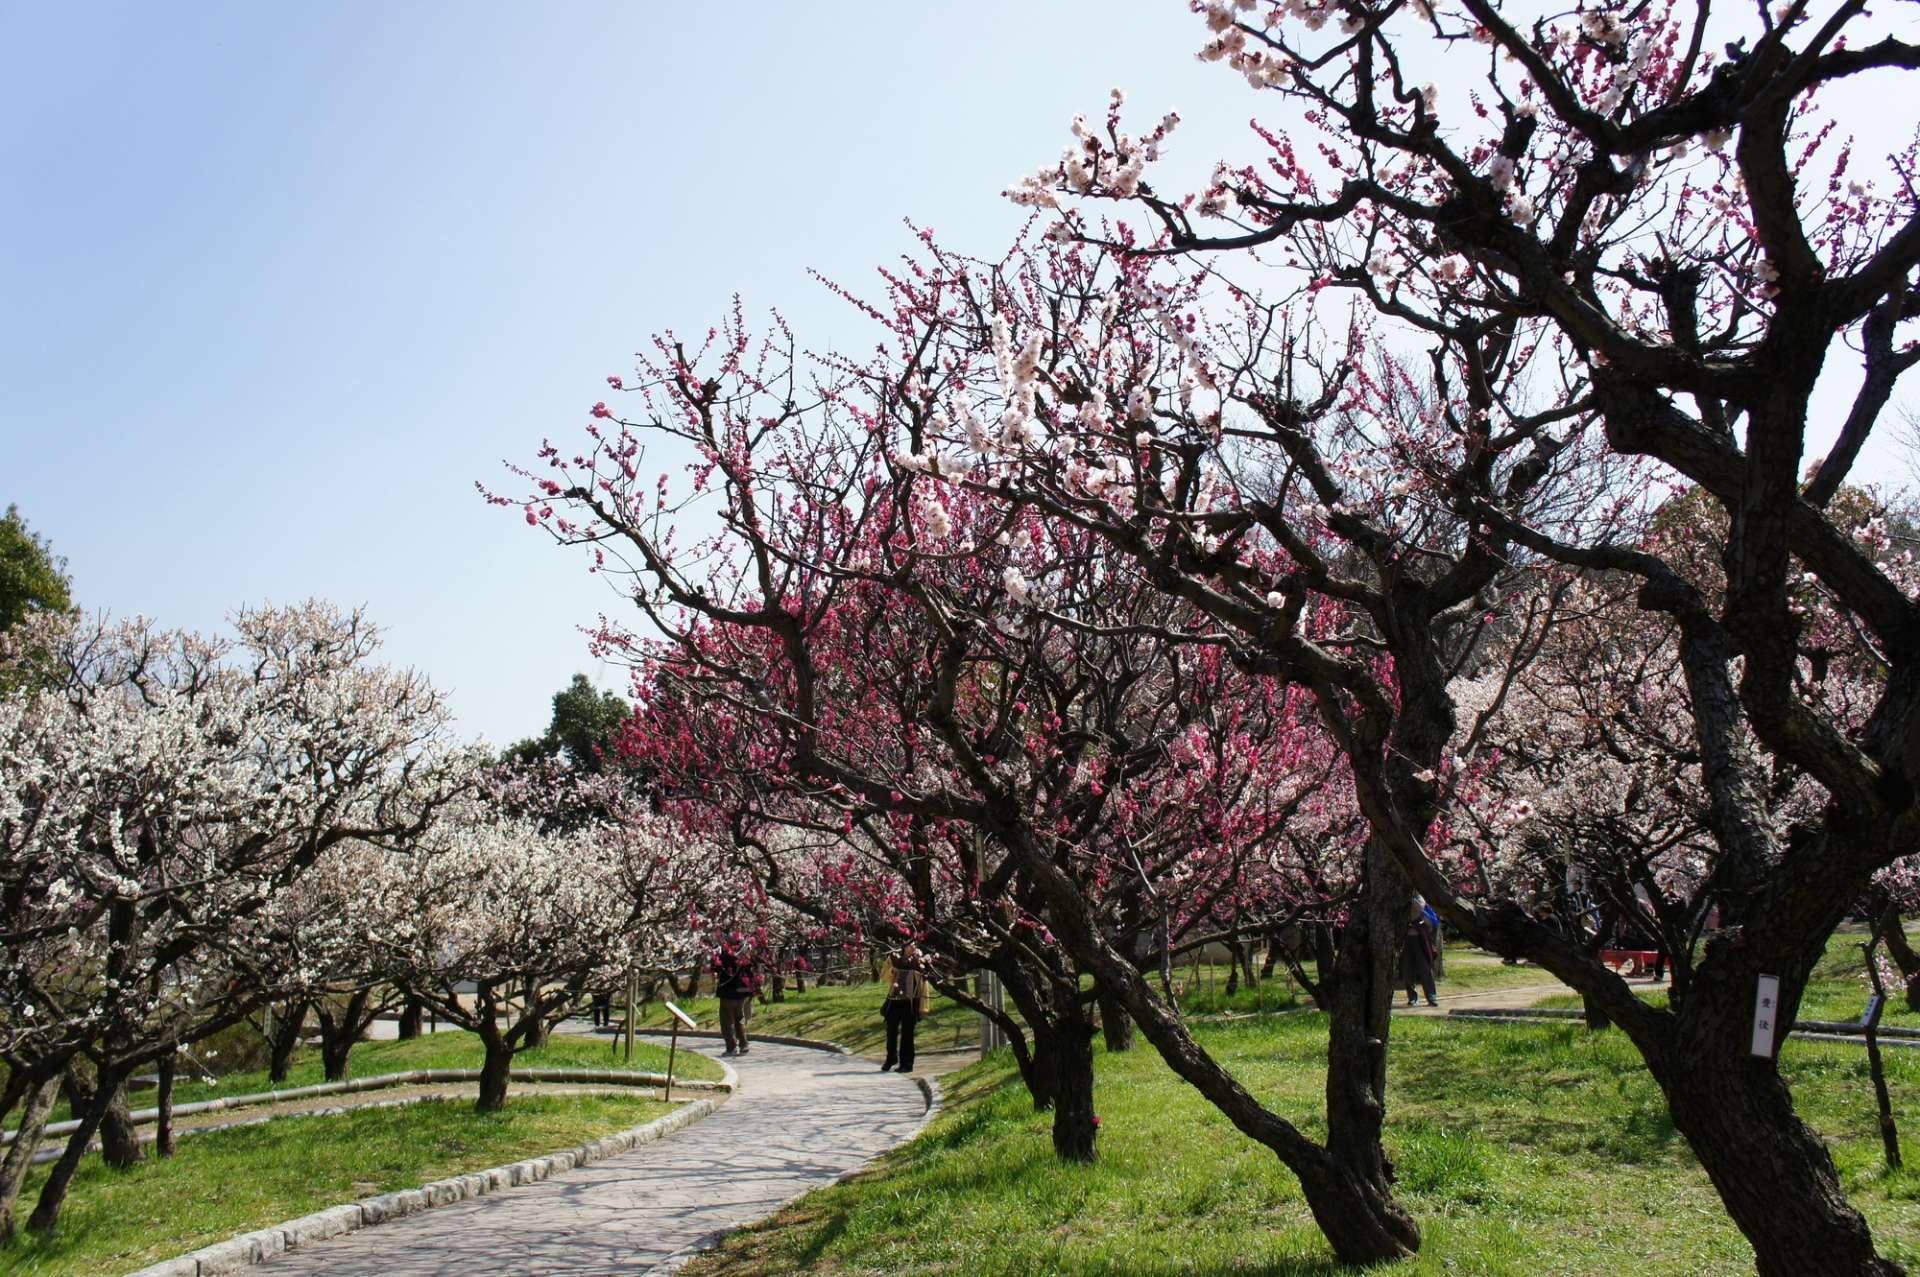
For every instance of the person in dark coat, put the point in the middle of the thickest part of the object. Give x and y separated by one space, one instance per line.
734 981
1416 956
906 1002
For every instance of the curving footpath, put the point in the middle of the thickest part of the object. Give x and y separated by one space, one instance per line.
801 1119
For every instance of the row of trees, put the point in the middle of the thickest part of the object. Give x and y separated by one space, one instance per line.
193 829
1426 505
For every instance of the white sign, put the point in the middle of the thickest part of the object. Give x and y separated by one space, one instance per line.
1766 1009
687 1020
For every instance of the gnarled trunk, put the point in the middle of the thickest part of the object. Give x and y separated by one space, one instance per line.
283 1040
119 1139
498 1059
1773 1173
163 1101
53 1194
336 1055
19 1155
1074 1124
413 1014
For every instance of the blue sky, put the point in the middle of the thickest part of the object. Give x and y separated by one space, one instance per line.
280 282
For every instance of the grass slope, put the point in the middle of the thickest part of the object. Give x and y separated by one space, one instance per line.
1523 1150
233 1181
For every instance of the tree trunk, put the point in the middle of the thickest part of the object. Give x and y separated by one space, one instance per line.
1595 1014
1236 956
1114 1022
493 1074
1273 954
53 1193
163 1100
336 1052
1359 1021
119 1138
1773 1173
284 1039
1074 1126
413 1014
19 1156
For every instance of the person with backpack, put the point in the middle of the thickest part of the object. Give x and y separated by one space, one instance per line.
908 998
734 981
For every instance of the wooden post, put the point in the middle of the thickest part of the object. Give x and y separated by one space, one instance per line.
633 995
677 1018
673 1045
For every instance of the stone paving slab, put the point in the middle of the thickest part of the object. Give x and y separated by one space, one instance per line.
801 1119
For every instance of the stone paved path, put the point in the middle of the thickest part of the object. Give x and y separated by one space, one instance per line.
801 1119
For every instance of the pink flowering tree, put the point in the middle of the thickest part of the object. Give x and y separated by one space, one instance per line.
162 789
818 506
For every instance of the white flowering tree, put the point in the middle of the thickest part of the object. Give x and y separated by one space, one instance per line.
160 789
531 917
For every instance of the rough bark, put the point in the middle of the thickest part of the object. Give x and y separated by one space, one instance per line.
284 1039
1074 1128
19 1155
494 1071
1114 1024
163 1100
413 1014
119 1138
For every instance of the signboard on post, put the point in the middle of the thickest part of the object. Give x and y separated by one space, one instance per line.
1766 1012
673 1045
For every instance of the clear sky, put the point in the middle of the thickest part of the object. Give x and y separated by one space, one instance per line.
278 282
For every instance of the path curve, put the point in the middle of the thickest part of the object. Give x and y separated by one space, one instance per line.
801 1119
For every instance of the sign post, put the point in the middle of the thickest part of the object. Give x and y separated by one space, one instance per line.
633 996
673 1044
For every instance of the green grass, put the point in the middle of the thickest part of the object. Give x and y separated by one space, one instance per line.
1838 989
233 1181
1521 1150
847 1014
448 1050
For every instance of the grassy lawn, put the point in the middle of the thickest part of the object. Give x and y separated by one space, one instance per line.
449 1050
237 1180
1522 1152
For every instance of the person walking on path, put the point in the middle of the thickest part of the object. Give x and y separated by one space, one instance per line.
1416 957
908 998
733 980
602 1010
